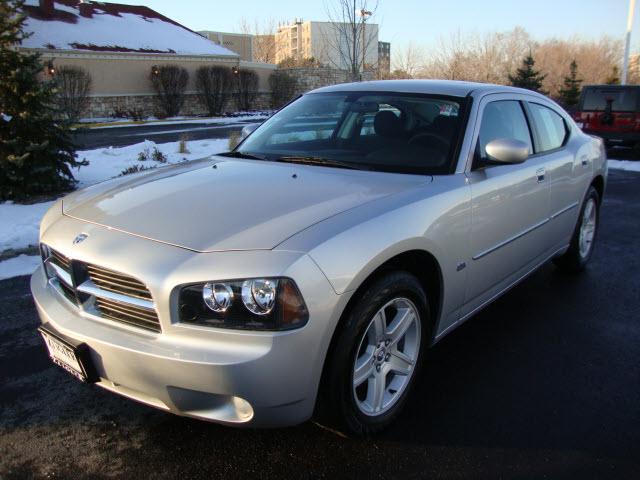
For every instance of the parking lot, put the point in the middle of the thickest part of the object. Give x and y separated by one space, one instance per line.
544 383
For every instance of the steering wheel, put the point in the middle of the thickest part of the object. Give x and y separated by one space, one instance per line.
419 137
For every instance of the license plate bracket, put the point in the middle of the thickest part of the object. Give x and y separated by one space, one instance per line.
73 358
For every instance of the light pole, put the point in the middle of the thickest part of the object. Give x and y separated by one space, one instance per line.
364 14
627 42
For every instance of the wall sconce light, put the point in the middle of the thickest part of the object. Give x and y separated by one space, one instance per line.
51 70
235 70
155 70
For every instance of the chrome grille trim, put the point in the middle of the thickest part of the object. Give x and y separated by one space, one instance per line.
101 292
63 275
91 288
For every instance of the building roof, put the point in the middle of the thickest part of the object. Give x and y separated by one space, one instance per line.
112 27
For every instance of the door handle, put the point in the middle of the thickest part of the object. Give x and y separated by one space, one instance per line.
540 174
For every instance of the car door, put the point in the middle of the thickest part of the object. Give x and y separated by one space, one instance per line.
510 204
568 174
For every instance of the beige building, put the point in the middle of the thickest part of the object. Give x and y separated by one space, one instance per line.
325 42
118 45
240 43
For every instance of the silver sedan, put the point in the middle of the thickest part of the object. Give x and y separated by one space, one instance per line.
308 270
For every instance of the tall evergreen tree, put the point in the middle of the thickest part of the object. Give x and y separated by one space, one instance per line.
570 91
36 153
527 77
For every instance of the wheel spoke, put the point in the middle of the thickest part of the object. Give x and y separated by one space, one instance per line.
400 363
380 325
375 392
401 323
364 369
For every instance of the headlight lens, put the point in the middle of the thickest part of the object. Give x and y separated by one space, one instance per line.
259 295
248 304
217 296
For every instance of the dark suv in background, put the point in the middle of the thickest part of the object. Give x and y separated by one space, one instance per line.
611 112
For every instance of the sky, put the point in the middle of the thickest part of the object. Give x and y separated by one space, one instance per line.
423 22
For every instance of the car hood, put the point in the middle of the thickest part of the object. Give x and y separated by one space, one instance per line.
229 204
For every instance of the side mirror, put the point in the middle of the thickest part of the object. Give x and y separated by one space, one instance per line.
248 130
507 150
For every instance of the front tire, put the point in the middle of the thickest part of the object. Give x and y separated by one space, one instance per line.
377 355
583 241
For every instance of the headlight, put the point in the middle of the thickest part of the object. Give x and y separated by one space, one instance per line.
251 304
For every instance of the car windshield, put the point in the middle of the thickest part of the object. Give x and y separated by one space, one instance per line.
621 99
408 133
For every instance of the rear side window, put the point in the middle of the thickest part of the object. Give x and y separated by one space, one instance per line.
552 131
621 99
503 119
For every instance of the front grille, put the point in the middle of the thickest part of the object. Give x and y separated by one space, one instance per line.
129 314
60 260
118 283
67 291
109 294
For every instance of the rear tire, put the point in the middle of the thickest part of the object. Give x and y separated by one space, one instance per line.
582 243
376 355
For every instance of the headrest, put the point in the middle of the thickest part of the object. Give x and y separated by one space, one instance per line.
387 124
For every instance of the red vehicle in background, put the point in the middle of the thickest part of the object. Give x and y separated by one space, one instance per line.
611 112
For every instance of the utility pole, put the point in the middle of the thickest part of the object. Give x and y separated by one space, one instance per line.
627 42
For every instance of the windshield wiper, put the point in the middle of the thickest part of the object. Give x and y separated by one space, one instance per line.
309 160
249 156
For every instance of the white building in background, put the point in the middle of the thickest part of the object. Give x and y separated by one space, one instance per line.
322 41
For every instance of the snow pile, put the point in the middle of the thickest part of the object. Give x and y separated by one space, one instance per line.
19 224
113 27
22 265
628 165
105 163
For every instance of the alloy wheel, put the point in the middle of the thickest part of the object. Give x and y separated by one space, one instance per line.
386 357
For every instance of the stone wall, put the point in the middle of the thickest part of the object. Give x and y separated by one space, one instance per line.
310 78
106 106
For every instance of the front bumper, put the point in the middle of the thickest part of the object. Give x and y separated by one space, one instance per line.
231 377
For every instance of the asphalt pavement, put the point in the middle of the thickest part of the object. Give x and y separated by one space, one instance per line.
120 136
544 383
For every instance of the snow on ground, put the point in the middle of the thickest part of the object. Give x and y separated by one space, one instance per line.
628 165
21 265
105 163
19 224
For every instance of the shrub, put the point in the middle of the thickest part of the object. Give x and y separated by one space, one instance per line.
135 114
283 88
135 169
169 83
74 86
246 89
213 85
155 155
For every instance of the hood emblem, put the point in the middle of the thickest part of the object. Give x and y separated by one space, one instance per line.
80 238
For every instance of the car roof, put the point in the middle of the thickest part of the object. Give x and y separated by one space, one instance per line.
452 88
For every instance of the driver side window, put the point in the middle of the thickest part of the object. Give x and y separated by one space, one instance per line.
502 119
